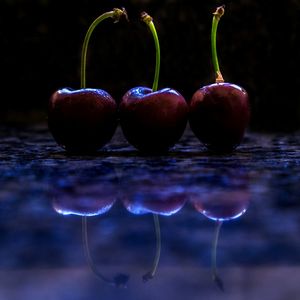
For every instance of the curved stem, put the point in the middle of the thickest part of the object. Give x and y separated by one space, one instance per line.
216 18
215 276
116 13
119 280
149 21
151 273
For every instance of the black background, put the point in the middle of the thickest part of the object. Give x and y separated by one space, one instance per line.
257 43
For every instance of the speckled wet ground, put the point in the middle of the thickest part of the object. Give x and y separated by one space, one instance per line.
45 194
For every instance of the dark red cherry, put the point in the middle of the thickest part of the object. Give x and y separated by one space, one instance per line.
82 120
219 115
153 121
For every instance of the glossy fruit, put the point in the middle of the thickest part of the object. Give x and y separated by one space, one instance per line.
153 121
82 120
219 115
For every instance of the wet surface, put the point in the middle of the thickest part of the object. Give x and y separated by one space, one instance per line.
65 219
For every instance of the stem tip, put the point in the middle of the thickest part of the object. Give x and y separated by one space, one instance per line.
219 11
118 13
146 18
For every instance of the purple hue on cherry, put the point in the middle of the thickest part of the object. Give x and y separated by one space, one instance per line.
82 120
153 121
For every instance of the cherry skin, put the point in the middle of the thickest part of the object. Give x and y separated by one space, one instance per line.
82 120
153 121
219 115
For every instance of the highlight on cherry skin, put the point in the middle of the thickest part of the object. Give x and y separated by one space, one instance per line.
219 112
153 120
84 120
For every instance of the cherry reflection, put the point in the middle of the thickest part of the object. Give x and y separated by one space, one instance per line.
86 201
221 204
149 196
157 197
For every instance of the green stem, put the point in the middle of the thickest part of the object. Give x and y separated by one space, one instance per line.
151 273
149 21
215 276
116 13
216 18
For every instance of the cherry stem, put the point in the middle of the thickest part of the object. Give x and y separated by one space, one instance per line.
151 273
116 14
215 276
149 21
119 280
216 18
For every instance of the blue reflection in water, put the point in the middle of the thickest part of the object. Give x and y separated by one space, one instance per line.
143 190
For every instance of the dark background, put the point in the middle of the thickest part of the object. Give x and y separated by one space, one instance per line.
257 44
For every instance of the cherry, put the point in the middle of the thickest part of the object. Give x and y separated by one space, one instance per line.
219 112
84 120
153 120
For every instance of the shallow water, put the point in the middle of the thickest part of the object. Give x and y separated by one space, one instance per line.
46 196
